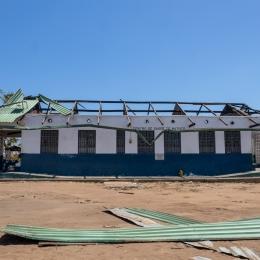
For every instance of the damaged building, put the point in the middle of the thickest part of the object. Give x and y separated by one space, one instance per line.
131 138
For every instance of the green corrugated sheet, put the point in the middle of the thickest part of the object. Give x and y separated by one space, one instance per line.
17 106
10 113
55 105
177 220
164 217
16 97
193 232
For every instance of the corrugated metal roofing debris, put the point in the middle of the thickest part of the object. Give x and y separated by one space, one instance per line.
234 250
250 253
55 105
202 244
164 217
17 106
10 113
174 219
191 232
136 219
18 96
200 258
199 233
240 252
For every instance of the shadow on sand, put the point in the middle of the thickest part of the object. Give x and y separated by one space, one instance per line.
6 240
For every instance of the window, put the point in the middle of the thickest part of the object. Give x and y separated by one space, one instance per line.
145 142
120 141
87 141
207 142
232 142
172 142
49 141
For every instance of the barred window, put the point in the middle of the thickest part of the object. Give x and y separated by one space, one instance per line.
120 141
232 142
172 142
145 142
87 141
49 141
207 142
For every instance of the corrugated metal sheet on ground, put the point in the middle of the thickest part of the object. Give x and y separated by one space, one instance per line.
177 220
164 217
144 222
192 232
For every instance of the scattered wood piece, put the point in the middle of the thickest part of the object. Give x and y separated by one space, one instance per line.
126 192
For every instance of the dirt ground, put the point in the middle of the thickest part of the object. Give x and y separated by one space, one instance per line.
81 205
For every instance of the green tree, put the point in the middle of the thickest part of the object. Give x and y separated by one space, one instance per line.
8 141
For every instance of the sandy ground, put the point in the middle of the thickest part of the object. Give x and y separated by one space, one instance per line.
70 204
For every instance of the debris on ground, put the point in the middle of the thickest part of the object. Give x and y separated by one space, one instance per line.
173 219
240 252
200 258
126 192
175 228
137 220
201 244
120 185
237 230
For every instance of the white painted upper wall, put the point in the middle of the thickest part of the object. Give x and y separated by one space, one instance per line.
140 122
246 141
159 143
68 141
31 141
220 141
130 143
105 141
190 142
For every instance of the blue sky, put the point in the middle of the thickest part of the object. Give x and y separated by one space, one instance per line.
189 50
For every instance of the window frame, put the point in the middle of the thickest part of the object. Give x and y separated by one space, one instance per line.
47 145
142 146
207 142
86 146
120 142
172 142
231 146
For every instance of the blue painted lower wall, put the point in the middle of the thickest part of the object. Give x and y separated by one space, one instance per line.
135 164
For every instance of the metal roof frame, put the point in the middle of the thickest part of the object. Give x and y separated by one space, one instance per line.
195 107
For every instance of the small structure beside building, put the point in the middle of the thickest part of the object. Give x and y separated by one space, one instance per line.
132 138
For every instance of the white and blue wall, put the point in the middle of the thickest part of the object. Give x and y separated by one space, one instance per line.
106 162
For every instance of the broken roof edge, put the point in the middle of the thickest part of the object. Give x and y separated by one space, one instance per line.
19 105
218 109
55 105
18 96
